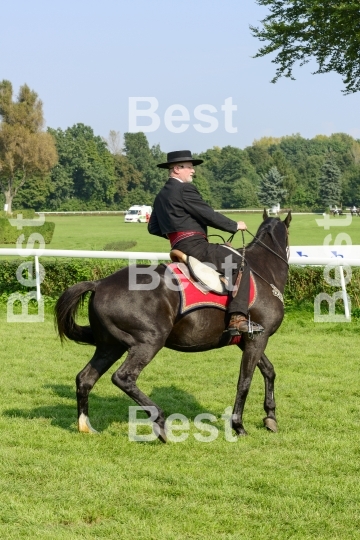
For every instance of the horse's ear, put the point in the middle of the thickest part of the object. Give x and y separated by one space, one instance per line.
288 219
265 214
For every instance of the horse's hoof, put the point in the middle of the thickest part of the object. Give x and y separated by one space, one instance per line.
237 425
240 432
84 425
270 424
160 433
162 436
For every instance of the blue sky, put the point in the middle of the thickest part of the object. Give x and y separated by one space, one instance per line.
86 58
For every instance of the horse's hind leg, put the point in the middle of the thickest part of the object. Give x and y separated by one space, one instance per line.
268 372
126 376
105 356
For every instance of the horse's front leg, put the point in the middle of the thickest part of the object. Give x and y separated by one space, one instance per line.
268 372
253 350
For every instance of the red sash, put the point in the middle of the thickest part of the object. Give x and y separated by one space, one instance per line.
175 237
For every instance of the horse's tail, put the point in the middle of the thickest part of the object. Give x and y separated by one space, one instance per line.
65 313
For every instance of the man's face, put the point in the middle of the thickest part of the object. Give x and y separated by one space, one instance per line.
184 171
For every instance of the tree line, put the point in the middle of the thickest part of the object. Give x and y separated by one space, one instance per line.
74 169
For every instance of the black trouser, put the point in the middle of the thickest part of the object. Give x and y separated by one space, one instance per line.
215 254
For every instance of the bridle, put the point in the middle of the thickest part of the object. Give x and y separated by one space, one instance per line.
275 290
275 241
264 245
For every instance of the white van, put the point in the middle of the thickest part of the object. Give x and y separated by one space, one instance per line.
138 214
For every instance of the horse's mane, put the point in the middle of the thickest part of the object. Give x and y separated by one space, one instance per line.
266 227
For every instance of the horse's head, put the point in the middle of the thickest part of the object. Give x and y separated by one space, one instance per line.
286 220
273 233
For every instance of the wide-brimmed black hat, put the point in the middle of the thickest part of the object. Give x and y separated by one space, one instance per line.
177 157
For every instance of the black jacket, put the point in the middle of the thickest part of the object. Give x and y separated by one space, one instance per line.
179 207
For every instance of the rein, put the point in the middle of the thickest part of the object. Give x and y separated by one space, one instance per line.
275 290
230 239
268 248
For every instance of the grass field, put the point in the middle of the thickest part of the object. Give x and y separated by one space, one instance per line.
300 483
79 232
89 233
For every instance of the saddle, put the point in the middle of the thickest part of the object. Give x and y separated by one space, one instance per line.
206 276
209 290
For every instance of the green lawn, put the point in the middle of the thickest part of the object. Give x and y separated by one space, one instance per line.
81 232
300 483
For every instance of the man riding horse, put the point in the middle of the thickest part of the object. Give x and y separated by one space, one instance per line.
182 216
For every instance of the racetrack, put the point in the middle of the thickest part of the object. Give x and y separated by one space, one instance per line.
299 483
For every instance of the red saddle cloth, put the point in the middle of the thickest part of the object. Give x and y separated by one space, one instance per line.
193 298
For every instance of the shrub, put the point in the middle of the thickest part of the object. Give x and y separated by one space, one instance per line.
9 234
120 245
304 283
59 275
28 213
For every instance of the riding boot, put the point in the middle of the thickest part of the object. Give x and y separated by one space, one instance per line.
239 324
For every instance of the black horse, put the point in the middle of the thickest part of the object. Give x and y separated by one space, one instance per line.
142 322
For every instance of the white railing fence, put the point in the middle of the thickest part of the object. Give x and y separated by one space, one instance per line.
334 256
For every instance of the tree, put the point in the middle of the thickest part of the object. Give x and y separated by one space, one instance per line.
145 159
34 194
25 150
202 185
351 186
351 177
127 181
299 30
114 142
137 151
330 182
285 169
244 194
271 190
227 167
85 172
259 157
154 177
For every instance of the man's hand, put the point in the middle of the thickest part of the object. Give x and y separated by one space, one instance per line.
241 226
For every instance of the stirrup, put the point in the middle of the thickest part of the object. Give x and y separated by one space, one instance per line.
232 332
254 328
